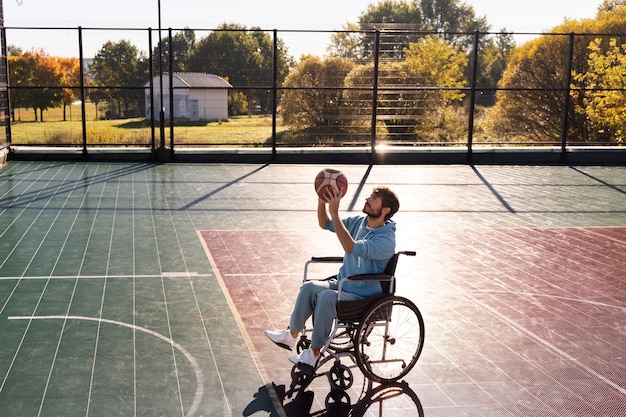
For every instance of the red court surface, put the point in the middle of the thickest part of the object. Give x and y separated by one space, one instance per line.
519 321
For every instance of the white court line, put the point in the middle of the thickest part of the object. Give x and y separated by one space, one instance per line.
558 297
260 275
194 364
165 274
547 344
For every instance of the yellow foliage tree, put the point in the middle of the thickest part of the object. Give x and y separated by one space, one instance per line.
530 102
604 96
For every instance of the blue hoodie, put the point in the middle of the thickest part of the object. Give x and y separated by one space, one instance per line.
372 250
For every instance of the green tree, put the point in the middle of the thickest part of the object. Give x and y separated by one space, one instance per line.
451 17
494 53
314 93
237 103
244 58
119 70
346 43
183 44
398 20
402 22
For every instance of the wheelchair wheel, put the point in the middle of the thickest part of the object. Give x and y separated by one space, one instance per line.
340 377
390 339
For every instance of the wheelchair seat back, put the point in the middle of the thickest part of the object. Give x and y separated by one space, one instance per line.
353 311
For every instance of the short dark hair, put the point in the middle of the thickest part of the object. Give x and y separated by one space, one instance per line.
388 199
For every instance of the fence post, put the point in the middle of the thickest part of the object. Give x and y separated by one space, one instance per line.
151 72
566 98
171 73
81 71
5 65
274 92
472 103
374 96
161 104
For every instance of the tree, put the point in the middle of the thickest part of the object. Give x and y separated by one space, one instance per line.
243 57
451 18
304 104
494 53
183 44
610 5
116 69
346 43
70 69
604 100
21 74
530 101
38 78
411 92
400 22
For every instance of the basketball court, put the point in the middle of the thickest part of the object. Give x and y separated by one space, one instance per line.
138 289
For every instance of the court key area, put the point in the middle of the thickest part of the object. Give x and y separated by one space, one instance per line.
137 289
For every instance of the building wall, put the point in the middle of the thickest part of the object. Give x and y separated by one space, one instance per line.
207 104
212 104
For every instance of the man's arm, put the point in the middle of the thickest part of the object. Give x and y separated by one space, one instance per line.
340 229
322 215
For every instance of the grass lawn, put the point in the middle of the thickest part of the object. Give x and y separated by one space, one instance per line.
237 131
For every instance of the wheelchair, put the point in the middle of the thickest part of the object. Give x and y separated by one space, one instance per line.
383 333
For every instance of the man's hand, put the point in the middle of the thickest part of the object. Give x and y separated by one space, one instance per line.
333 198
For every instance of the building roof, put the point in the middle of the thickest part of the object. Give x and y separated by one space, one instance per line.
198 80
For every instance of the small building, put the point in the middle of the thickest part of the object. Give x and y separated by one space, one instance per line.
197 97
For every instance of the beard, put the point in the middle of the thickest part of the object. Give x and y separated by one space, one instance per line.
367 209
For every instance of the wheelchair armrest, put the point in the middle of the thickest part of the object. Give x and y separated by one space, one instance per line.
319 259
365 277
370 277
327 259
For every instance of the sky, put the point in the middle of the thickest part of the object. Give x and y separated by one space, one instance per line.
519 16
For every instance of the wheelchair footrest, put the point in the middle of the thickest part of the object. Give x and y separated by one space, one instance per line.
305 368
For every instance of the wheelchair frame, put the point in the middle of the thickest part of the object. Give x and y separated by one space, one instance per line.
365 331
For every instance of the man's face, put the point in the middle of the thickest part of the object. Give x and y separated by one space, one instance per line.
373 206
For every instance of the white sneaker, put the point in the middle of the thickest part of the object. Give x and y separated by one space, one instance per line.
282 338
307 357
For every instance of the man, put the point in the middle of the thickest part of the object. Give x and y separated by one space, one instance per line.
369 242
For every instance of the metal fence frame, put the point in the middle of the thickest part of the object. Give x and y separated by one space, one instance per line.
163 150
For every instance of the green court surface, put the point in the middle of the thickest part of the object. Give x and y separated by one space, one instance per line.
138 289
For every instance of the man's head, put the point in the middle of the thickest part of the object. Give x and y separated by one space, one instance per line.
383 201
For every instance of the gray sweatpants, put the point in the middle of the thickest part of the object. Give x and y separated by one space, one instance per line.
320 299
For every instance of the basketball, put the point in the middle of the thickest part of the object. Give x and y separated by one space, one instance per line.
328 177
